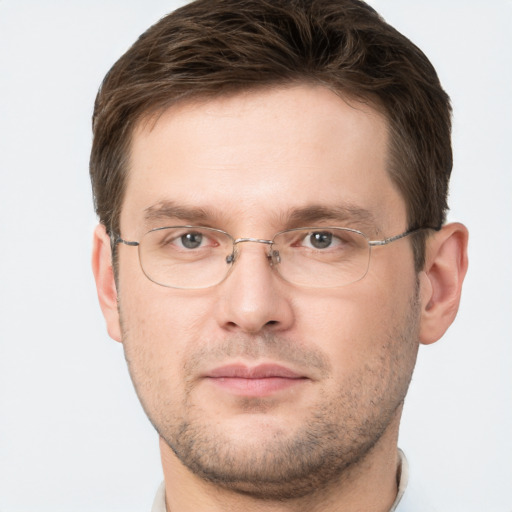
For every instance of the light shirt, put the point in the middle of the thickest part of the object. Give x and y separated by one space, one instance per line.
410 501
415 499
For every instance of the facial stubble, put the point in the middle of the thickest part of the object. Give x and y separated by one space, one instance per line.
337 435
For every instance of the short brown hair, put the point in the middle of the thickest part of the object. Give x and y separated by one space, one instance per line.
217 47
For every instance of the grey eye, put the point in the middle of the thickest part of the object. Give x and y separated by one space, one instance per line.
320 239
191 240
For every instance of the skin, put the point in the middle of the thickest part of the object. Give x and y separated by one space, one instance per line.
328 440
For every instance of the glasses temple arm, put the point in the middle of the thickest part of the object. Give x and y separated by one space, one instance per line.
386 241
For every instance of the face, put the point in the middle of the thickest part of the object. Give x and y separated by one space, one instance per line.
256 384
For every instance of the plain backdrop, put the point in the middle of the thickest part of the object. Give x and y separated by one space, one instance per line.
73 436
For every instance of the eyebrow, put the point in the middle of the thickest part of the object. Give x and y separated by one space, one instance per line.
165 210
347 215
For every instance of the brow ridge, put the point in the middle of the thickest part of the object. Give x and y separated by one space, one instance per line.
347 215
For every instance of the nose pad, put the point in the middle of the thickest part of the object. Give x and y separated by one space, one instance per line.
232 258
274 257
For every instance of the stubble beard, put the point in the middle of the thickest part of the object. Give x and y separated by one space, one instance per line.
339 434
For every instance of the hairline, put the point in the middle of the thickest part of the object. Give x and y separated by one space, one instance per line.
148 117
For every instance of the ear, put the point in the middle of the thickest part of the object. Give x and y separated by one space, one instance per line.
105 283
441 280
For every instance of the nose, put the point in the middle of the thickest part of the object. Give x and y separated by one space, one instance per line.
253 298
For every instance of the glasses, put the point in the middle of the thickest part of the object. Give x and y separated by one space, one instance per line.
195 257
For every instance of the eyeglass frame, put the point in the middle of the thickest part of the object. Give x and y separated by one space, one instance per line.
231 258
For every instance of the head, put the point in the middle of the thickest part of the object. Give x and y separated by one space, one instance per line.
253 117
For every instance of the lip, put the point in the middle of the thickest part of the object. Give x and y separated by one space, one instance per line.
254 381
261 371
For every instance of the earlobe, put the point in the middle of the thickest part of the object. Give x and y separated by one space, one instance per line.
105 282
441 280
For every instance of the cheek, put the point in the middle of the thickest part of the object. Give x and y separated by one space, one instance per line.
156 333
150 312
158 324
354 325
162 321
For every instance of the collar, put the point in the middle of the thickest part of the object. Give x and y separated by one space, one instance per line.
402 479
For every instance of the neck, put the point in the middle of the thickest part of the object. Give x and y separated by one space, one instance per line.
371 484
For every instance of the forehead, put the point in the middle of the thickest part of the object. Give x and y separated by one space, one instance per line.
259 156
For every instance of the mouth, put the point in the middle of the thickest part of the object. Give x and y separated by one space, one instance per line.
256 381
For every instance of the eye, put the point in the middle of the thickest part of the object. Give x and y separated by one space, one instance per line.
191 240
320 240
185 239
187 245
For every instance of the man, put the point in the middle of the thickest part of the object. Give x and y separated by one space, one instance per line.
271 182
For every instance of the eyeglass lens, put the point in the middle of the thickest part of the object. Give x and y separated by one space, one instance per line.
197 257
